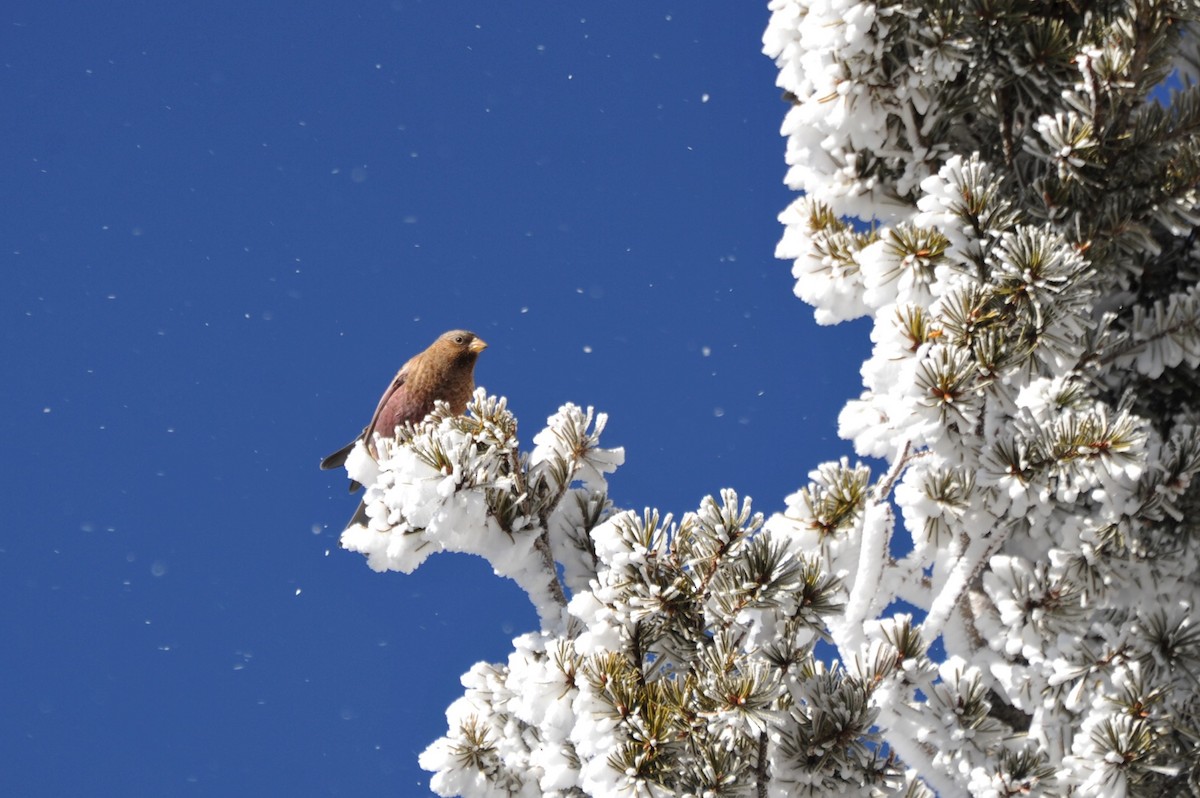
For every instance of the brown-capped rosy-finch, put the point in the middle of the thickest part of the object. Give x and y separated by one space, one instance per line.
445 371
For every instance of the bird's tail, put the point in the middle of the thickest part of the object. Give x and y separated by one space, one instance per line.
338 458
359 518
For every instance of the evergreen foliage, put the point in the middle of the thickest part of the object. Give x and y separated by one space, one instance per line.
1008 189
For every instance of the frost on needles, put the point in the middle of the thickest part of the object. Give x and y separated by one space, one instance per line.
1008 190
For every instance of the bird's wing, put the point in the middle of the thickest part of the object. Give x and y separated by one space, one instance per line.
336 459
397 384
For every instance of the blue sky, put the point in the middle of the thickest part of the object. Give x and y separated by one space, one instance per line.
227 224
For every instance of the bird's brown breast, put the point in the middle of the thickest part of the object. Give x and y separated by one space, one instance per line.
438 376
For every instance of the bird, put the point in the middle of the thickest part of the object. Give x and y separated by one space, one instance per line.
445 371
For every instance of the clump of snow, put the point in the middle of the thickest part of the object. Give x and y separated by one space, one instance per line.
458 484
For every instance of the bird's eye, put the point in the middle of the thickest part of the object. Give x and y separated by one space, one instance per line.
458 339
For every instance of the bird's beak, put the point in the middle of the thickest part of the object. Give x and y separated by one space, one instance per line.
477 346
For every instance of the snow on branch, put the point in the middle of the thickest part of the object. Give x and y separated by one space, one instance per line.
1014 201
460 484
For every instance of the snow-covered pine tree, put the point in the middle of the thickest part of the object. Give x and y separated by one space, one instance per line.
1008 189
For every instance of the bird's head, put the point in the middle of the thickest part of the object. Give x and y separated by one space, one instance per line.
462 343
